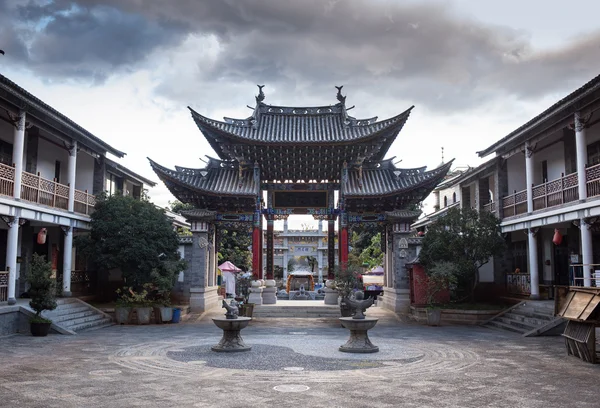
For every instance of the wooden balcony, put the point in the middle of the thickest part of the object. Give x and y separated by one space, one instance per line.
552 193
490 207
39 190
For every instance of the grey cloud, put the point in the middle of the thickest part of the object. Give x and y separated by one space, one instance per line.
424 52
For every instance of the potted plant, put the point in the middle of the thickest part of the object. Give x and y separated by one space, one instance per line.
161 302
439 278
124 307
243 282
42 292
142 305
347 282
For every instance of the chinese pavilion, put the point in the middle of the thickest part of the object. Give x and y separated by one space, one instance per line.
299 156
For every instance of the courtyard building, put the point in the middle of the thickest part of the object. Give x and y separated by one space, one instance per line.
50 171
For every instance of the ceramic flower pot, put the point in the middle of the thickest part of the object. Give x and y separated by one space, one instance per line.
122 315
143 314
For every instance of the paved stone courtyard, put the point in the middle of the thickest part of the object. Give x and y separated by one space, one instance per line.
293 362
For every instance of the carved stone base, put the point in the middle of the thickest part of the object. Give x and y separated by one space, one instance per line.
359 339
269 296
232 338
255 296
331 296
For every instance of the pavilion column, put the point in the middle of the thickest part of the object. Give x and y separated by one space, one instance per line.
587 254
71 176
529 175
331 249
256 246
343 241
270 249
203 296
285 251
18 148
11 256
67 260
533 262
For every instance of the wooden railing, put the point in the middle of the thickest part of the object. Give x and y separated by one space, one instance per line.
515 204
37 189
556 192
518 283
592 177
491 207
3 286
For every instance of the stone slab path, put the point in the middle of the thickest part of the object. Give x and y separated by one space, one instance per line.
293 363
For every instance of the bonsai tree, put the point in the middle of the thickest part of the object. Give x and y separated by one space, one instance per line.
136 237
467 239
42 288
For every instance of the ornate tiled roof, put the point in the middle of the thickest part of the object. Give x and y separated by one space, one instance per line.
221 180
403 214
389 180
286 125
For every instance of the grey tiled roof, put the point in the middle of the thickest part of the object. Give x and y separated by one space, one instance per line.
286 125
388 180
224 180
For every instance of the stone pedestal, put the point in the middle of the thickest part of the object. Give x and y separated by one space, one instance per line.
232 338
396 300
269 295
359 340
331 296
255 296
204 299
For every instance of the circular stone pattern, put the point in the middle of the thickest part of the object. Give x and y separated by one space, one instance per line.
291 388
280 358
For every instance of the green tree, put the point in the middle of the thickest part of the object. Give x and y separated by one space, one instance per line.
177 206
466 238
234 248
372 255
136 237
362 236
42 287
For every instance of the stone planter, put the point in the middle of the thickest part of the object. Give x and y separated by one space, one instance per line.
456 316
40 329
163 314
143 314
434 317
122 315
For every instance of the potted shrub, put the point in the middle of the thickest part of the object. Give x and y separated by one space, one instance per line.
123 307
42 292
439 278
161 302
242 285
346 282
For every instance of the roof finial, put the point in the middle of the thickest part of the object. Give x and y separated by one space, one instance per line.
339 95
442 154
261 95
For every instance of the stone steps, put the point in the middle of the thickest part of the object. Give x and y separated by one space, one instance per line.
74 315
529 318
296 312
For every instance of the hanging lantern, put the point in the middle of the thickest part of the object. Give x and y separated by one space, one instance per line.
41 236
557 239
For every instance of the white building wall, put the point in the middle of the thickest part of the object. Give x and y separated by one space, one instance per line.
48 154
473 196
448 193
555 158
84 174
515 167
592 134
486 272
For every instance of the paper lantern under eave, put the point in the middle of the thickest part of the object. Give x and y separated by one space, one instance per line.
41 236
557 239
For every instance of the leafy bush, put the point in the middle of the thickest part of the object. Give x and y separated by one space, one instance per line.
42 287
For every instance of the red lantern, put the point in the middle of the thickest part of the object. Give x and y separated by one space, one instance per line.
557 239
41 236
420 233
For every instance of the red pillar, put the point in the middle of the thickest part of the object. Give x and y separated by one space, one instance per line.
270 249
330 249
344 247
256 252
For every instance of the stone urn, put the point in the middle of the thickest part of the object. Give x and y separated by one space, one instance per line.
232 339
359 339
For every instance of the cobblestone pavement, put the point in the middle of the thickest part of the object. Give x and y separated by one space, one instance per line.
293 363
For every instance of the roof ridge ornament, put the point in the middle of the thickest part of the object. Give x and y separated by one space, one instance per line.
339 95
261 96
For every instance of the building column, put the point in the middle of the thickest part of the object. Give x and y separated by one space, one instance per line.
581 149
343 241
270 248
11 255
529 175
320 262
587 253
71 175
18 148
203 296
533 263
330 249
67 260
256 246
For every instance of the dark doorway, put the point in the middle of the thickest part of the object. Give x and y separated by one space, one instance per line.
561 262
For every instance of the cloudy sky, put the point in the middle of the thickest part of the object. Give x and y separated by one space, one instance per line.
127 69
